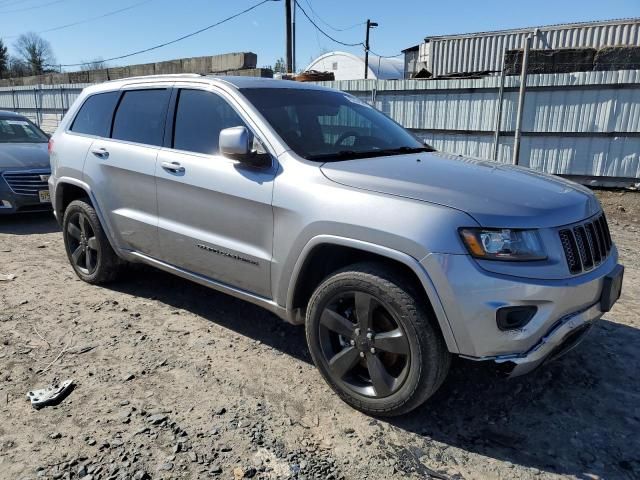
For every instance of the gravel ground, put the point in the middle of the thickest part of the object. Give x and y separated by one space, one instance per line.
177 381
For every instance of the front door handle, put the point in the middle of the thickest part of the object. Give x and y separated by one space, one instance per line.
173 167
100 152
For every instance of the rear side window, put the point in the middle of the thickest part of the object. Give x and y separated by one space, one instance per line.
140 116
94 117
200 116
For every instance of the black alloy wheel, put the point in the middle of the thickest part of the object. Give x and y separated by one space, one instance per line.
83 244
374 339
88 249
365 348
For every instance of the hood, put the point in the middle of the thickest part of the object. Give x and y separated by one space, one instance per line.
23 155
494 194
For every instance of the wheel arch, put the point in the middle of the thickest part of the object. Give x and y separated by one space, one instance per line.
68 189
325 254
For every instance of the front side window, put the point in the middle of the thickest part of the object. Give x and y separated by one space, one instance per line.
141 116
200 116
94 117
327 125
20 130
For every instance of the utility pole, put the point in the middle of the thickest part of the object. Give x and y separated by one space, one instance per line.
370 25
523 89
293 37
288 30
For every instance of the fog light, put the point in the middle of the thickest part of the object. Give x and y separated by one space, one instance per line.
513 318
5 204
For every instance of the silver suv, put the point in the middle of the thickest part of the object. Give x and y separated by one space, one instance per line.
310 203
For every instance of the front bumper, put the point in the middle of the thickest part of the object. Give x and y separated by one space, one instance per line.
470 295
563 337
12 202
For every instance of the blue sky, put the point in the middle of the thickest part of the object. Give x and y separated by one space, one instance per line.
402 24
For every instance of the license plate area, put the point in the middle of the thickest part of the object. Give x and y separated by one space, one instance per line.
611 288
44 196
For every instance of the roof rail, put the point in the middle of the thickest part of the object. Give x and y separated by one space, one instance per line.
155 77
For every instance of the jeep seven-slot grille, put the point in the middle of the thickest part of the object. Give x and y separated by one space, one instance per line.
27 183
586 245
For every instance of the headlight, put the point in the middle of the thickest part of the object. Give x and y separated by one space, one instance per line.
503 244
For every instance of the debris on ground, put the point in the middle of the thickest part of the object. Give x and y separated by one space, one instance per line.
51 395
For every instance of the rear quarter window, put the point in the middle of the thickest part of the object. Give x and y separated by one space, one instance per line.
94 117
140 116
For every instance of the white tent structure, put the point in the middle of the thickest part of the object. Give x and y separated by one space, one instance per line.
347 66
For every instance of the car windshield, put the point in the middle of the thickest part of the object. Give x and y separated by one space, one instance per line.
327 125
20 130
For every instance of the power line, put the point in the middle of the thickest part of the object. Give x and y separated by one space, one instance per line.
386 56
86 20
336 29
33 7
359 44
188 35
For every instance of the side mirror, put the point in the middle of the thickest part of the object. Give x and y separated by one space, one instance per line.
237 143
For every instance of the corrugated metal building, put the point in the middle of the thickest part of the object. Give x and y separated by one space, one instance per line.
483 51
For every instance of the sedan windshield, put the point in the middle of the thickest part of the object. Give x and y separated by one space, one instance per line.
20 130
330 126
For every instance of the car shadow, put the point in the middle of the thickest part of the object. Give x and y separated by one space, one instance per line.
578 415
29 223
240 316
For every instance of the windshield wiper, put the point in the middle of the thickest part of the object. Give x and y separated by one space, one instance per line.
353 154
403 150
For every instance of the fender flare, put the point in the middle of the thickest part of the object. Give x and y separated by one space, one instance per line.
407 260
87 189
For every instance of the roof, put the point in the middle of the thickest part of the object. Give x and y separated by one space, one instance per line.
415 48
379 67
238 82
7 113
559 26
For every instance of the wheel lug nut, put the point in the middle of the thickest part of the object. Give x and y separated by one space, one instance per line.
369 335
373 350
352 342
362 354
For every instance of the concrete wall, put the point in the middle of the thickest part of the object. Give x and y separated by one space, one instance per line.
221 64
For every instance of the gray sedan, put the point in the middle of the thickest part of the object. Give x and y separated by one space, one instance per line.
24 165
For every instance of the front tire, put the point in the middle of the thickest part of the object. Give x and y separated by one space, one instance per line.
87 246
374 342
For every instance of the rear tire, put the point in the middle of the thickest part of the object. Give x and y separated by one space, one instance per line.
397 363
87 246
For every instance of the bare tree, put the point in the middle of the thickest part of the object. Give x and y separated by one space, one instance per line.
95 64
35 51
17 68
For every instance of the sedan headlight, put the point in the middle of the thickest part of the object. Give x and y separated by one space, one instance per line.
503 244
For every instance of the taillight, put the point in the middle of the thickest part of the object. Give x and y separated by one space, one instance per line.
50 147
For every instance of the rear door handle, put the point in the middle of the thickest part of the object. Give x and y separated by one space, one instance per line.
100 152
173 167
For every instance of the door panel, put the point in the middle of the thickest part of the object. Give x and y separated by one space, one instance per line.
215 218
123 179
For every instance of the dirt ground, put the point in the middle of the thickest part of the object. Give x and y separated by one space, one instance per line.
177 381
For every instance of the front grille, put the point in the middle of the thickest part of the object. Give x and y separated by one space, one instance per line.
27 183
586 245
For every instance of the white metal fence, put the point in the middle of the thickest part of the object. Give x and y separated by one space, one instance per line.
583 124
